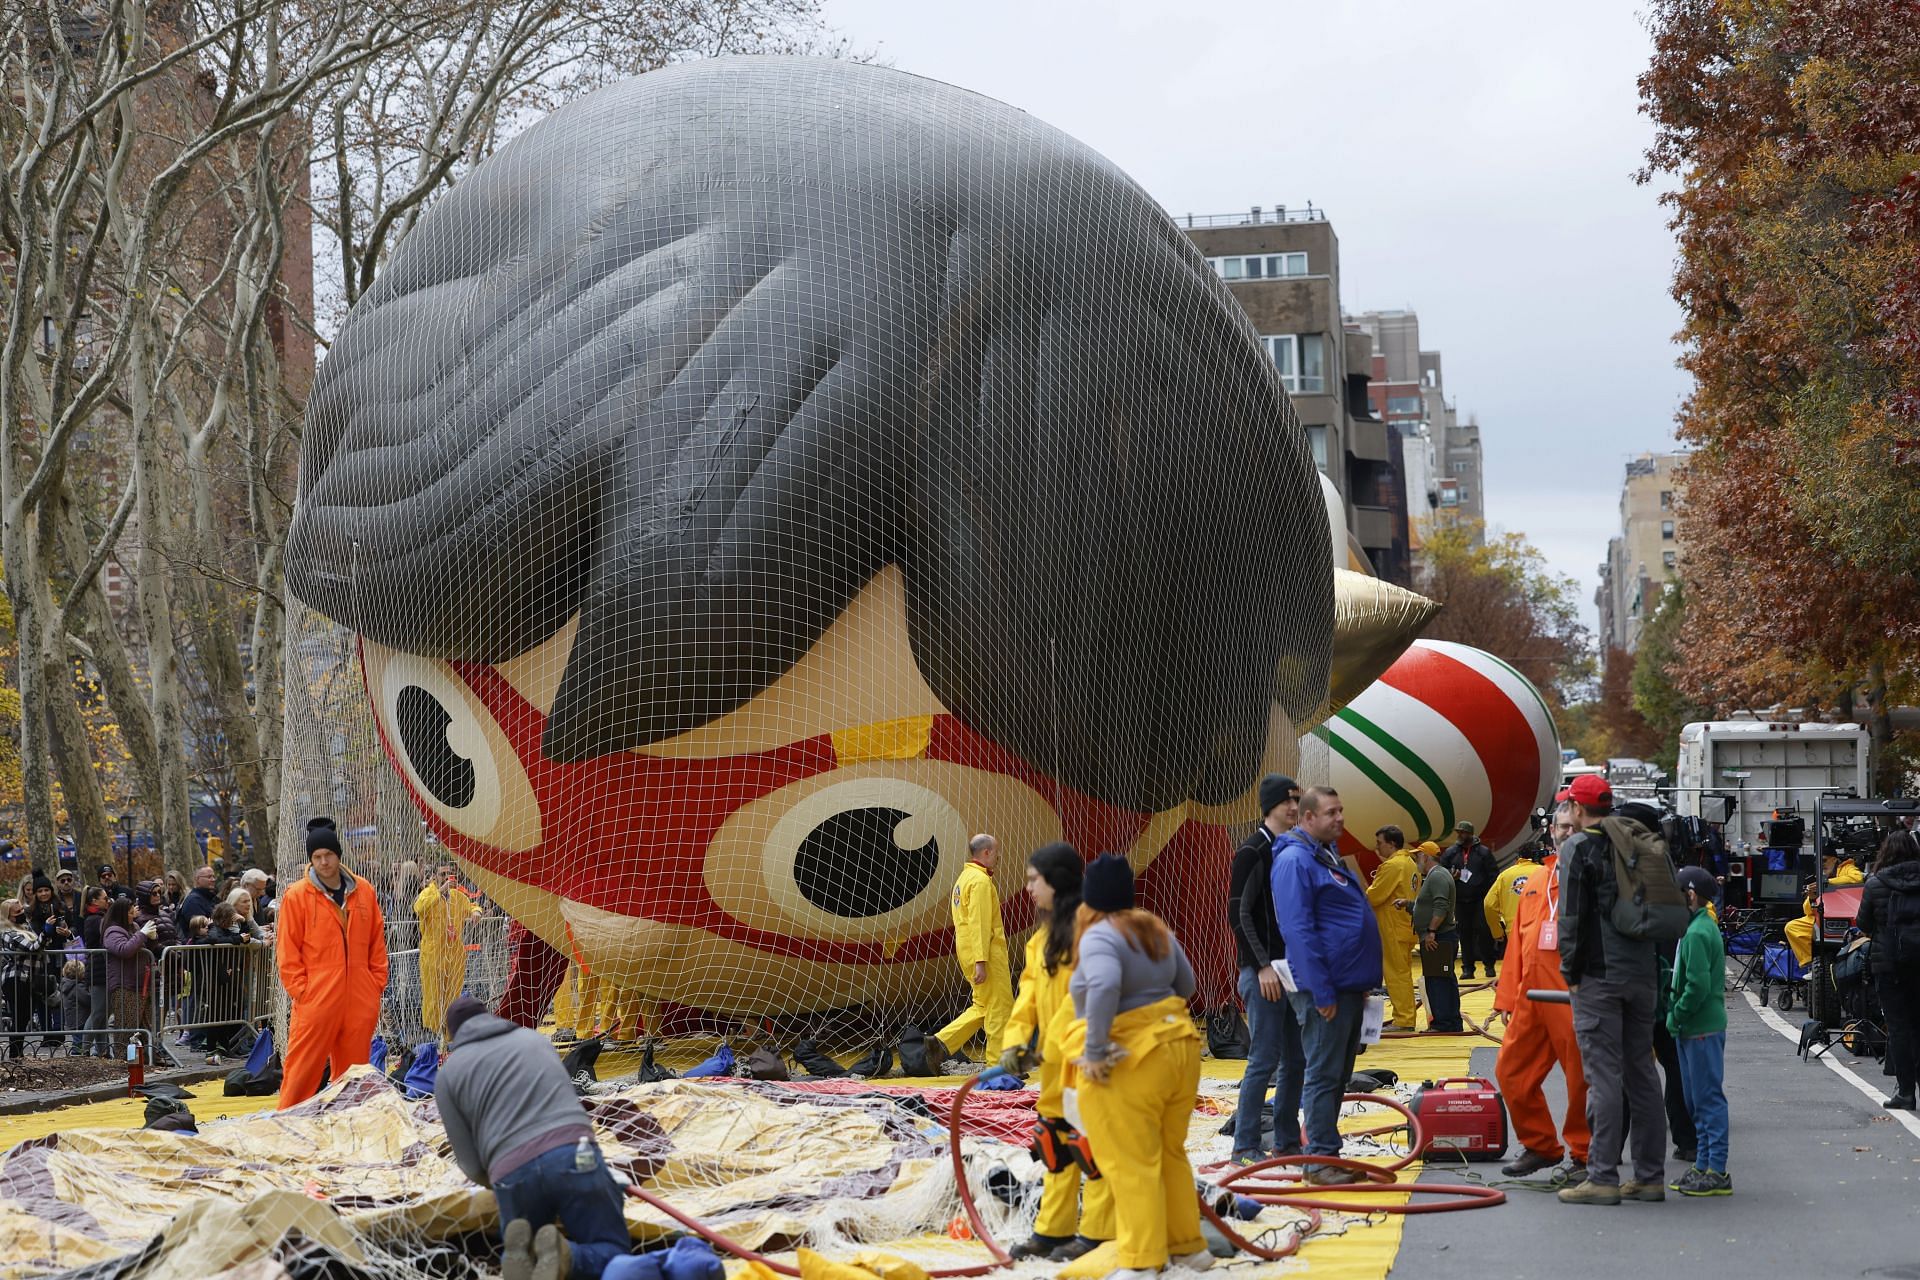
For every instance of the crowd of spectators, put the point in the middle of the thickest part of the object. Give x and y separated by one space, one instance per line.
84 967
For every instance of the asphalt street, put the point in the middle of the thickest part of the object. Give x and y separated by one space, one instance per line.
1826 1184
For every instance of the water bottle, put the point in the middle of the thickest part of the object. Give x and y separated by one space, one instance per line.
583 1156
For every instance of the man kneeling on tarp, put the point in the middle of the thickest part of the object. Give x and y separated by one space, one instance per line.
517 1125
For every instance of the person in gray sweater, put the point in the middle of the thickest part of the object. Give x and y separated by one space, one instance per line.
1138 1073
1436 926
516 1124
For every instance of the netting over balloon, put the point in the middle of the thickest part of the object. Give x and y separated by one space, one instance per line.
753 481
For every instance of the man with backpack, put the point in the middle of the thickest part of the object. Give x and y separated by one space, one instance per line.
1618 900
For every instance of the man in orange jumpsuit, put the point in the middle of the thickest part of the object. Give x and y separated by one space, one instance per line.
1539 1035
332 943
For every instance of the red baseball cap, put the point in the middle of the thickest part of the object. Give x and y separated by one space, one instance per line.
1591 791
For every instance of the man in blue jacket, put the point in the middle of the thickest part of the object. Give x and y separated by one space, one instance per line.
1333 949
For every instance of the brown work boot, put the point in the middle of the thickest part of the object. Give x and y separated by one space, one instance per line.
1322 1175
1590 1192
1530 1161
1651 1192
516 1262
552 1255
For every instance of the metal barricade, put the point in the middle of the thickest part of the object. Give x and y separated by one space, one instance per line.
207 993
38 1011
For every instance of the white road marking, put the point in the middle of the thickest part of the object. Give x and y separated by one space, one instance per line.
1909 1119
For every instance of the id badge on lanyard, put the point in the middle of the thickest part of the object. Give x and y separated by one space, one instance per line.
1550 927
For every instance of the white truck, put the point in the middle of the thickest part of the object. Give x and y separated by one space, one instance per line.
1763 765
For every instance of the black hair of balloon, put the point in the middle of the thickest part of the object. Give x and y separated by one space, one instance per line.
698 385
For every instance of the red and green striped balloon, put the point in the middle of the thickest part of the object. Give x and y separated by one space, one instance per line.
1449 733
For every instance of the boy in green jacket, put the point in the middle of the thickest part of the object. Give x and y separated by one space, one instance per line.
1697 1018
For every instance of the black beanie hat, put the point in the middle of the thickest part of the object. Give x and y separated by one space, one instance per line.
40 881
459 1011
1274 789
314 824
322 837
1108 884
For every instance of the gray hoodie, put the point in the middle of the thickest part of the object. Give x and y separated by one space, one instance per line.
505 1099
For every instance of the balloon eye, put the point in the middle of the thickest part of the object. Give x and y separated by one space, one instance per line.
456 760
865 862
423 725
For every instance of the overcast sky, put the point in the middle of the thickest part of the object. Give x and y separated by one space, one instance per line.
1475 159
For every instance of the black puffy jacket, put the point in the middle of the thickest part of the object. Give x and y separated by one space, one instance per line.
1890 915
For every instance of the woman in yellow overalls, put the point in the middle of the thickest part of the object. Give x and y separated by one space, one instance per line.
1134 1072
1040 1015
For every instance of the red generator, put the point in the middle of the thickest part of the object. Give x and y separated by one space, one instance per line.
1463 1114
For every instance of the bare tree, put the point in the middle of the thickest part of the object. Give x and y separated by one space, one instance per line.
168 168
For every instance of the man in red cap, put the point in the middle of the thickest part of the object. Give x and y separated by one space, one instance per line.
1615 984
1540 1035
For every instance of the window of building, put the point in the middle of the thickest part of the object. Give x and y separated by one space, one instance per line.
1317 439
1666 530
1466 494
1671 559
1260 266
1301 359
1403 404
1666 499
1461 468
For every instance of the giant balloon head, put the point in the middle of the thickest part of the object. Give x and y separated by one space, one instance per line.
761 475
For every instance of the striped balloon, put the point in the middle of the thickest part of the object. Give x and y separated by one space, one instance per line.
1450 733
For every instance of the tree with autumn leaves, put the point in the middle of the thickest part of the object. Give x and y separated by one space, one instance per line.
1792 128
1500 596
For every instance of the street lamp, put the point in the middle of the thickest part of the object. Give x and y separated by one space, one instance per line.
126 834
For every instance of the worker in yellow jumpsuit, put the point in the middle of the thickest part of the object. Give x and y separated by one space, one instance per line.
443 909
1135 1074
980 945
1395 884
576 1005
1838 873
1065 1228
1503 899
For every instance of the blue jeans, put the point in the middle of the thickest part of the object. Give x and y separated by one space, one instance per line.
586 1204
1331 1044
1274 1058
1703 1066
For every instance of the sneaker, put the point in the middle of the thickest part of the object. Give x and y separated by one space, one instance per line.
1245 1158
1688 1154
1197 1261
1710 1183
1529 1162
552 1255
517 1261
1321 1175
1650 1192
1590 1192
1038 1246
1901 1102
1078 1247
1687 1183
